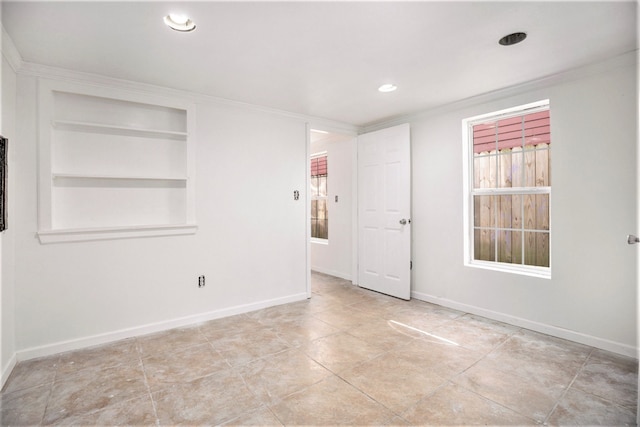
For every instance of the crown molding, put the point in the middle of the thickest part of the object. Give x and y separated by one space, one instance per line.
10 52
630 58
45 71
14 58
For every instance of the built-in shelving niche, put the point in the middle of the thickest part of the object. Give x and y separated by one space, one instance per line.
113 164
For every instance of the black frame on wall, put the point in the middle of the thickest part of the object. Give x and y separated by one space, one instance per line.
3 183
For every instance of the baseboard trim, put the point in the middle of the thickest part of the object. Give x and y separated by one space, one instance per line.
76 344
544 328
6 371
345 276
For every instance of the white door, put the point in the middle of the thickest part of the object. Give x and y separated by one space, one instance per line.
384 207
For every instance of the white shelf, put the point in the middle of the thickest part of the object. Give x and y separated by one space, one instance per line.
101 233
113 164
126 130
56 175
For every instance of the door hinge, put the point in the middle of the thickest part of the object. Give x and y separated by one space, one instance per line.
410 265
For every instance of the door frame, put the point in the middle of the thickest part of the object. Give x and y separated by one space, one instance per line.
354 212
307 207
353 133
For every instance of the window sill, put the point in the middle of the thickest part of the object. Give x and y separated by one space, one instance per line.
106 233
539 272
320 241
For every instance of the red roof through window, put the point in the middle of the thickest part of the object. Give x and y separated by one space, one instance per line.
319 166
527 130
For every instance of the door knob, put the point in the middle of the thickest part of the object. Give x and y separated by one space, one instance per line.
405 221
632 240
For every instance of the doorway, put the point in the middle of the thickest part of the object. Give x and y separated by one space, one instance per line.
332 200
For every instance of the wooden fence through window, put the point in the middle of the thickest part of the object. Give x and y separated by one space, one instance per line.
319 214
512 154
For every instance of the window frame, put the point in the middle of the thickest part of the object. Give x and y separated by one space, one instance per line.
320 240
469 192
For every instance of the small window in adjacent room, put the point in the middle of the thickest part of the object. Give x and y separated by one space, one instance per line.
508 190
319 217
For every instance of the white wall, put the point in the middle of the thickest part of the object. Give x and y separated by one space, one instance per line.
250 244
251 241
7 279
335 256
591 296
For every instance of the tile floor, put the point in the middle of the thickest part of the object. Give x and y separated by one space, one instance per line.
347 356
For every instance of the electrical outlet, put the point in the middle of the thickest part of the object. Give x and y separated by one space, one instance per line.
201 281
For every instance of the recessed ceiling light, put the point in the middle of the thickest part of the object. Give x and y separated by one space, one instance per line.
387 87
319 131
179 22
512 39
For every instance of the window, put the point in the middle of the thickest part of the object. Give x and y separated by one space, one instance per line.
508 190
319 217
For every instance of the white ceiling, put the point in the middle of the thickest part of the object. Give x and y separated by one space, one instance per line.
324 59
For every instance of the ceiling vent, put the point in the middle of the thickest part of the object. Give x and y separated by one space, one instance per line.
512 39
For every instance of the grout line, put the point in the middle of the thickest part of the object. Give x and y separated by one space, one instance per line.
367 395
278 400
53 382
101 409
426 396
274 415
537 422
566 390
146 383
44 412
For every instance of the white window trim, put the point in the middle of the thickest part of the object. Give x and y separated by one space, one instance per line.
319 241
467 159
